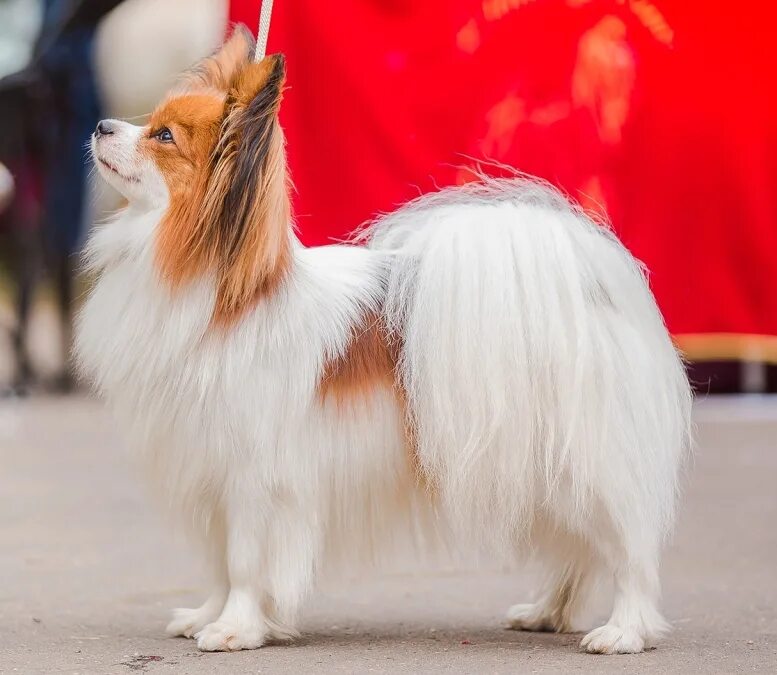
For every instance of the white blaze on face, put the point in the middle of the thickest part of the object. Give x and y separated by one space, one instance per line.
115 147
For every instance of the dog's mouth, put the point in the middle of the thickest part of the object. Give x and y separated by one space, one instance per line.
113 169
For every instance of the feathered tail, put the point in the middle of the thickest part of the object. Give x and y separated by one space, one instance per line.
538 369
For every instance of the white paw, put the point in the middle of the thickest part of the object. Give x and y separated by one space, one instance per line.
611 639
528 617
187 622
225 636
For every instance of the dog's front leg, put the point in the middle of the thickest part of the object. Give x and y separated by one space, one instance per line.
241 624
269 560
188 622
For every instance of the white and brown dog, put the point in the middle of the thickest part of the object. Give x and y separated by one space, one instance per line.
490 370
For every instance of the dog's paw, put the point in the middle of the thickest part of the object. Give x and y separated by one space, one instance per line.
611 639
187 622
225 636
528 617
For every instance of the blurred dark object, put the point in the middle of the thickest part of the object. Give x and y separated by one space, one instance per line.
733 377
66 17
47 112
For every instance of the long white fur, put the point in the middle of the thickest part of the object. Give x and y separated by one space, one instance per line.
551 372
549 405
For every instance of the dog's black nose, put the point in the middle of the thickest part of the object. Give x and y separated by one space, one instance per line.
104 128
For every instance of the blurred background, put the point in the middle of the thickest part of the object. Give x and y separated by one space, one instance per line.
659 114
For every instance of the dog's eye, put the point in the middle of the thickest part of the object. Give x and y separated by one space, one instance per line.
164 135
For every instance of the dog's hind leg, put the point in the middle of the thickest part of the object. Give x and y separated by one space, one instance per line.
564 591
635 622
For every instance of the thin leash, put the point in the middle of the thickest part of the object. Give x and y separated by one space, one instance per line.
264 30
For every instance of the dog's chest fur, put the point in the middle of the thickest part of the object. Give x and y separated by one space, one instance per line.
200 401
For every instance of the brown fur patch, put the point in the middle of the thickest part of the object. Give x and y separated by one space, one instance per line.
184 166
226 172
246 209
367 364
194 119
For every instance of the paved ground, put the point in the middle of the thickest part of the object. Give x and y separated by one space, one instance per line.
88 571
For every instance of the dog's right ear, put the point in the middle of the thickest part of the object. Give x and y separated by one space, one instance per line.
219 70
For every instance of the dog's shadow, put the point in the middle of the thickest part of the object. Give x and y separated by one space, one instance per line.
444 639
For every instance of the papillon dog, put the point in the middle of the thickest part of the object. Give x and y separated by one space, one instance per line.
487 372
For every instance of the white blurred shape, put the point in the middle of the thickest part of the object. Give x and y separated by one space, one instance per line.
143 45
20 22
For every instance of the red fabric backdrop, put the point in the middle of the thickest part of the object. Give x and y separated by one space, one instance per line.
662 112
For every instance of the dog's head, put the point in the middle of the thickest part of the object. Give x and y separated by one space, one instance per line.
212 155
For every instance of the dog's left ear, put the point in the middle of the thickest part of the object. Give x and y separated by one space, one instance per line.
245 213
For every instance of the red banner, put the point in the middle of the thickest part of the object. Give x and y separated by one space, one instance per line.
661 112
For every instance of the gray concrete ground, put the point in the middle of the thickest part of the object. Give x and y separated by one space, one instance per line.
89 570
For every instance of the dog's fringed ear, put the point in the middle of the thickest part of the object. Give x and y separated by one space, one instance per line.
245 215
218 71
